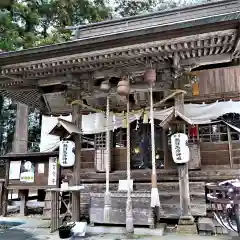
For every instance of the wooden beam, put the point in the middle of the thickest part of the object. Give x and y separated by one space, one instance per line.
236 49
207 60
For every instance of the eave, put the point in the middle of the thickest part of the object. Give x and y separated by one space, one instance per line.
207 34
144 28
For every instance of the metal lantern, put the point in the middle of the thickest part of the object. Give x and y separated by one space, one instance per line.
150 76
123 88
105 86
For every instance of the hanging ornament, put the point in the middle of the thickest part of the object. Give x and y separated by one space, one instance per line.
150 76
123 87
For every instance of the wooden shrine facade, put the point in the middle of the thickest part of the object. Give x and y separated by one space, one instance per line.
196 49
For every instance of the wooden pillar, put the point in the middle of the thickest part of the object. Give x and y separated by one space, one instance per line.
5 190
23 198
20 142
55 211
19 145
186 217
77 119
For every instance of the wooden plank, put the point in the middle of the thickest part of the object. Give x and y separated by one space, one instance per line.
205 174
169 197
23 198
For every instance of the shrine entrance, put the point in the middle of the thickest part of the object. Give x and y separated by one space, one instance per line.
141 145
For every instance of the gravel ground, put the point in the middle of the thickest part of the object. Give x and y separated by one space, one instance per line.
43 234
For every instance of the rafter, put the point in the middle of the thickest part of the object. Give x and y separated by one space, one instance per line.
236 49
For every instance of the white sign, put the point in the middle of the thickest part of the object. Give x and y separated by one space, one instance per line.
41 168
180 150
27 177
52 171
123 185
14 170
66 153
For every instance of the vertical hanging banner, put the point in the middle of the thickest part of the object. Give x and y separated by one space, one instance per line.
52 171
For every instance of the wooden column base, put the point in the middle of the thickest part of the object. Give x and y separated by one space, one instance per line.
47 207
186 220
187 229
76 206
23 198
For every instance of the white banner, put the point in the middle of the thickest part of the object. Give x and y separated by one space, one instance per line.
52 171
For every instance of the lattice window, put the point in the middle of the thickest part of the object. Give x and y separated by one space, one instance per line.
100 140
211 132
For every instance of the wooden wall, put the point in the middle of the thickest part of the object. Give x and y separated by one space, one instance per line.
218 153
211 154
119 159
87 160
219 80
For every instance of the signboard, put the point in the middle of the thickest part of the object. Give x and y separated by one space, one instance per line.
14 170
27 172
180 150
52 171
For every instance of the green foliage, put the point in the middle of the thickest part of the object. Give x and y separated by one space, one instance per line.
131 8
31 23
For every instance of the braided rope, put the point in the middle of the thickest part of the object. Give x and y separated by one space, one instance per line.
129 212
107 198
155 200
152 132
128 151
107 145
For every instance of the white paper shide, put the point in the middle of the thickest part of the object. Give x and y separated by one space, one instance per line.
180 150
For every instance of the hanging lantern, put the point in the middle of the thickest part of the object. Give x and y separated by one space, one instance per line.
123 87
105 86
150 76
